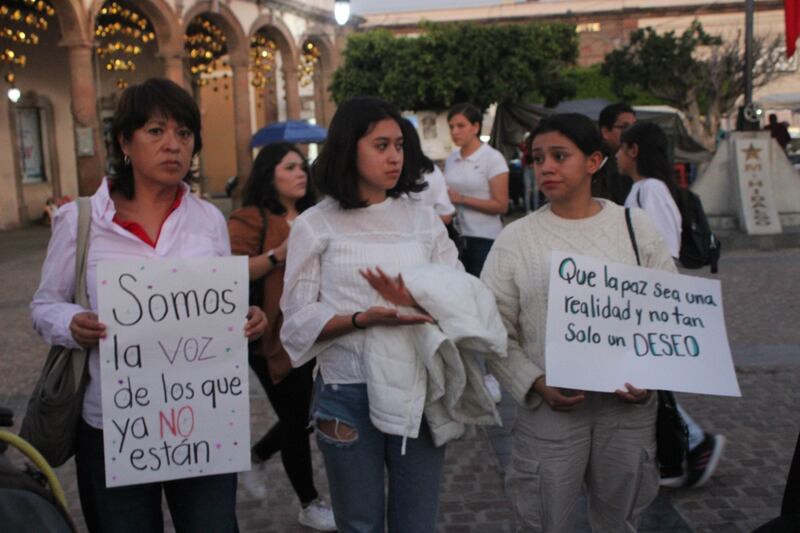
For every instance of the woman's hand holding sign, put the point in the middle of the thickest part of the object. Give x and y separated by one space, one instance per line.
632 394
256 323
86 329
555 397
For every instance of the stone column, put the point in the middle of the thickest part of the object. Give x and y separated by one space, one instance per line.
292 90
12 202
241 114
271 100
173 68
323 98
84 115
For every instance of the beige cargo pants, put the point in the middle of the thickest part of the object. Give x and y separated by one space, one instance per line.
604 444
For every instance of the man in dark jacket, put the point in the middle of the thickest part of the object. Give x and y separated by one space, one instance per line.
778 131
610 184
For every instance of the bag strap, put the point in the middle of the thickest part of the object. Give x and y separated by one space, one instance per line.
263 228
631 234
639 198
82 249
79 357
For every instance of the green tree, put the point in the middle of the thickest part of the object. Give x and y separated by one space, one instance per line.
695 72
592 83
451 63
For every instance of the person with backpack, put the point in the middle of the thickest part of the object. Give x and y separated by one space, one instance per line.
644 156
565 440
274 195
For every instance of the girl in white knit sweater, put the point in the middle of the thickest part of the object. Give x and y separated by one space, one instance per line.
564 440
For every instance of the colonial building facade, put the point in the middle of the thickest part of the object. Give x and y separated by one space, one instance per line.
248 63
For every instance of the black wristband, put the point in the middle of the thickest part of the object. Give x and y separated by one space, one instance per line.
353 321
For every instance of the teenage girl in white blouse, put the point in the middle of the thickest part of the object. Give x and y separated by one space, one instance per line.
331 297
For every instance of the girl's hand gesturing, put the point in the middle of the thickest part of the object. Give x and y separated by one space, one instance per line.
392 289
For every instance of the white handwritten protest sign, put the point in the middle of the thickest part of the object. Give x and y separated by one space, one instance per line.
173 368
610 323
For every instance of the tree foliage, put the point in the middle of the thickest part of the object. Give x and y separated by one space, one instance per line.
592 83
450 63
696 72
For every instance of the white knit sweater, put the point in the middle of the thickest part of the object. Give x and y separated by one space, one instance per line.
518 268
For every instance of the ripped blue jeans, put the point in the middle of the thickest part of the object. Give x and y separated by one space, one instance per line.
355 463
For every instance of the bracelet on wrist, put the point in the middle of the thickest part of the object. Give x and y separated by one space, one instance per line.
353 321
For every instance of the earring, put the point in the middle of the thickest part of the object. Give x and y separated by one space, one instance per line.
126 160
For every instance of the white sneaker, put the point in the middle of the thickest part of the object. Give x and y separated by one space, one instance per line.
317 515
253 481
492 385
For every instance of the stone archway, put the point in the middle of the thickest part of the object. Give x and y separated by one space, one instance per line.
276 30
168 30
238 48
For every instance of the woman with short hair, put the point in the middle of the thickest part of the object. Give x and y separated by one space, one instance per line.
141 212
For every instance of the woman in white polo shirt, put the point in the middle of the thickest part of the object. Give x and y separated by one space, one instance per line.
477 181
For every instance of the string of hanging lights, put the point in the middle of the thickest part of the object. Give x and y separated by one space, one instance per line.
121 32
19 22
205 44
309 57
263 52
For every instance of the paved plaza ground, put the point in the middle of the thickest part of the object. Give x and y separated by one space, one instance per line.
763 320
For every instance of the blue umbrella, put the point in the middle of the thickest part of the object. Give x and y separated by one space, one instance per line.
293 131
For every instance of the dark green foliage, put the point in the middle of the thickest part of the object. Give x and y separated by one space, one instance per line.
592 83
452 63
663 64
695 72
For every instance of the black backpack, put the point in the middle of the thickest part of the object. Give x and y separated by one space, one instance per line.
699 246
